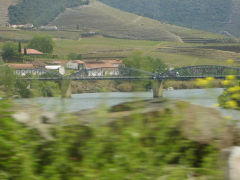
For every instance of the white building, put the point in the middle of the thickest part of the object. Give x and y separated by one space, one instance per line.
76 65
48 28
25 69
58 68
105 71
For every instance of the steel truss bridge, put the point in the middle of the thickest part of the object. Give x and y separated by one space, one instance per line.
123 73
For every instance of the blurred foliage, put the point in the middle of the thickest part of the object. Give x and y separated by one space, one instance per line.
17 145
230 97
140 146
39 12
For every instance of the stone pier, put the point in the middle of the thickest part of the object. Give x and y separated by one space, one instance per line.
66 90
157 88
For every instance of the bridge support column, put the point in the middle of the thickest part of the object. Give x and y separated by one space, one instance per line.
157 88
65 87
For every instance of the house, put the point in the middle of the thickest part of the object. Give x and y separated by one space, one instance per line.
28 26
97 67
89 34
17 26
38 64
58 68
58 62
48 28
102 68
22 26
32 52
24 69
76 65
115 62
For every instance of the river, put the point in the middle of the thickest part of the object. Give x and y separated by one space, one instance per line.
204 97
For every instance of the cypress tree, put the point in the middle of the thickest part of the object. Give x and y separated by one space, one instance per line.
25 51
19 47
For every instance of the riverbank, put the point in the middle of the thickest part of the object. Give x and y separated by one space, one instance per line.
132 86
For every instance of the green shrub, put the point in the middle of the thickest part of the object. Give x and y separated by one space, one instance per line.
10 52
42 43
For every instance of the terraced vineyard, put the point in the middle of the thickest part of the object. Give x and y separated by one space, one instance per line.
4 4
112 22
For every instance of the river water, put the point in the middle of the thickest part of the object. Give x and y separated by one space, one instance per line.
204 97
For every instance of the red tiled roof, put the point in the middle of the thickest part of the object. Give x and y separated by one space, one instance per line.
57 62
113 61
21 66
38 63
99 65
78 61
103 64
32 52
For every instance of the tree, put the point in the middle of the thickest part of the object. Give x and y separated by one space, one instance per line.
25 51
146 63
42 43
10 52
19 47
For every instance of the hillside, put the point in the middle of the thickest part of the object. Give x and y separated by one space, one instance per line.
4 4
112 22
234 24
209 15
39 12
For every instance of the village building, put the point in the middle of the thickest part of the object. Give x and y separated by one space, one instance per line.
58 62
76 65
59 68
97 67
115 62
48 28
25 69
28 26
38 64
21 26
103 68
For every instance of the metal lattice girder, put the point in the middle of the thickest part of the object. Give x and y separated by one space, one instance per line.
101 72
204 70
123 73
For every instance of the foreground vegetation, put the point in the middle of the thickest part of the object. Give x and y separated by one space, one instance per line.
135 146
230 98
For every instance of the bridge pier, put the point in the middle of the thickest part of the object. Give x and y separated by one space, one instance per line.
157 88
65 87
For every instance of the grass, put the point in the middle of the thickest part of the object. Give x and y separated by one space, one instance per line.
26 35
98 47
173 53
